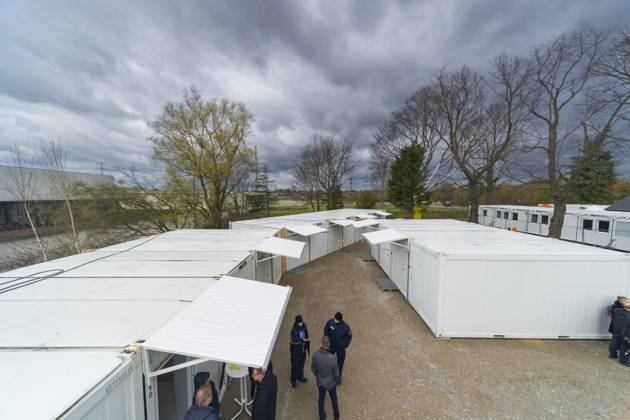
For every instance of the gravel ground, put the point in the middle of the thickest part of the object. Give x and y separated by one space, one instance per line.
396 368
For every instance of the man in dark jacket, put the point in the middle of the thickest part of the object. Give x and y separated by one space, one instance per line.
616 304
299 346
202 409
325 368
264 407
620 319
340 335
201 379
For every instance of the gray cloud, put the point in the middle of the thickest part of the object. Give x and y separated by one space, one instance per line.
91 74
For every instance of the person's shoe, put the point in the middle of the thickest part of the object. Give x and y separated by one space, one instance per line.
303 380
612 357
625 363
294 384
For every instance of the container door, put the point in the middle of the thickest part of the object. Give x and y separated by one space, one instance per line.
621 235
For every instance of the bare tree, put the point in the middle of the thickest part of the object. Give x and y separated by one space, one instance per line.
205 139
460 126
306 174
506 118
336 166
380 172
54 158
413 124
23 184
561 71
324 165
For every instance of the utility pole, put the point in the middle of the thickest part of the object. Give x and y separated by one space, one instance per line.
100 164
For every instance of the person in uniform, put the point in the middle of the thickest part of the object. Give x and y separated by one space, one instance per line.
340 335
299 346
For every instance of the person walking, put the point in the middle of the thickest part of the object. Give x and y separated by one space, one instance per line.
340 335
264 407
299 346
620 321
325 368
203 408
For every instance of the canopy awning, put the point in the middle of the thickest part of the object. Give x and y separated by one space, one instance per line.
382 236
306 230
341 222
381 213
234 321
282 247
365 223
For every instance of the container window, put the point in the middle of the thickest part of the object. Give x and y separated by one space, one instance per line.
587 224
544 220
534 218
515 216
622 229
603 225
485 212
506 215
498 215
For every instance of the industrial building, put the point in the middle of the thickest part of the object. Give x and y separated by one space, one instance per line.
39 191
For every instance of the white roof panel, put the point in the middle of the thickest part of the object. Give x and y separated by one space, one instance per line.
62 376
365 216
86 323
381 213
341 222
365 223
306 230
283 247
234 321
382 236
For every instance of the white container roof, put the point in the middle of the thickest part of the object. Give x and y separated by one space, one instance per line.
341 222
234 321
39 382
380 213
306 230
365 216
382 236
365 223
283 247
463 239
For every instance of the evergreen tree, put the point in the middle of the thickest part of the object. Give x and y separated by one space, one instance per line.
407 184
593 179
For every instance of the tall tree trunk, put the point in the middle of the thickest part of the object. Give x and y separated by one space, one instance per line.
38 240
473 199
557 220
75 233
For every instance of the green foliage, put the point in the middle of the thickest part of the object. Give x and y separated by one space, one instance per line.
593 174
407 184
366 200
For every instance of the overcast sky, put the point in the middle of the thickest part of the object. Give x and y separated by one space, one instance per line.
92 73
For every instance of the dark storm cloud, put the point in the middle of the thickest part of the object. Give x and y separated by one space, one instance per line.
91 74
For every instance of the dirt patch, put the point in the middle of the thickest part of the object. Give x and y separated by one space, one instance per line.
396 368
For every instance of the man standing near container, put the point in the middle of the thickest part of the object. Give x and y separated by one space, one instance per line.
340 335
264 407
620 331
324 367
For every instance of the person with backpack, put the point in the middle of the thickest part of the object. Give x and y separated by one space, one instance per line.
340 335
